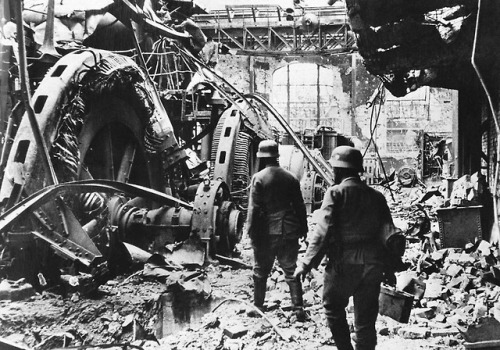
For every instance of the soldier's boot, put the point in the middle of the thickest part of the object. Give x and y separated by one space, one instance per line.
341 334
259 295
297 301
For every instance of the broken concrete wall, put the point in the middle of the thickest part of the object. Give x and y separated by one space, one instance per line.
269 76
343 95
402 119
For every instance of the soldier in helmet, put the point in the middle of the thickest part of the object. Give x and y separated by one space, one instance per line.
348 227
276 220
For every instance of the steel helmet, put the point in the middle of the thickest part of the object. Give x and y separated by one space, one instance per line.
347 157
268 149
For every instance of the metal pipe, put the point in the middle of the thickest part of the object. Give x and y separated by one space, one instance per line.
9 138
496 229
30 203
318 97
288 93
48 47
23 73
201 64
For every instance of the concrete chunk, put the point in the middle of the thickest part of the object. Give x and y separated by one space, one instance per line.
15 290
235 331
287 306
414 332
433 289
454 270
461 282
444 332
384 331
437 255
440 318
424 312
466 259
309 298
484 248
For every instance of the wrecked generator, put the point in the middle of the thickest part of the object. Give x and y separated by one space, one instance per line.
145 145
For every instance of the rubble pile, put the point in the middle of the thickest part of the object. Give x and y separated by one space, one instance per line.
165 307
117 313
453 289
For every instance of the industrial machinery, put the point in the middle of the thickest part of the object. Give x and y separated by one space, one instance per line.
128 137
120 148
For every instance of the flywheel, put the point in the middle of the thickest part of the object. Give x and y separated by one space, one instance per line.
94 110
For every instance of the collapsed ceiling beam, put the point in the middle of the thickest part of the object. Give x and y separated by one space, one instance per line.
379 12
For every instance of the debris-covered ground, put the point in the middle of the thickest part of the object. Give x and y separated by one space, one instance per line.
208 308
124 310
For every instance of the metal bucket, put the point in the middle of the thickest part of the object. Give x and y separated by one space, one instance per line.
394 303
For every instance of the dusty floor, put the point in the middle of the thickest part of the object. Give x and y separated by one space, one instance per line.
133 309
122 307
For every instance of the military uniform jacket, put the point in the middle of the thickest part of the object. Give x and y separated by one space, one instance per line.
351 217
275 205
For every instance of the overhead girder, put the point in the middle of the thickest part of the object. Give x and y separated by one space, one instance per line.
325 32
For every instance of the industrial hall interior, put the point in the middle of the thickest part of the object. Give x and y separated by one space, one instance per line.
243 175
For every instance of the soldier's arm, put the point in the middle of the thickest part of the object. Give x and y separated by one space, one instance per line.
392 237
385 212
300 208
318 239
253 207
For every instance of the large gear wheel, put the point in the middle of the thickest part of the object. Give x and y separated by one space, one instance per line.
93 111
94 124
233 155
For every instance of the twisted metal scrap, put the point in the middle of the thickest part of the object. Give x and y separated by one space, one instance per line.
109 77
65 152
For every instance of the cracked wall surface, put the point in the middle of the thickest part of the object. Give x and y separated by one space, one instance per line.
343 101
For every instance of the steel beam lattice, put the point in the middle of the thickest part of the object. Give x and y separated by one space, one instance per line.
257 31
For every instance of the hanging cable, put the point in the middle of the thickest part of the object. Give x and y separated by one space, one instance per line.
495 234
373 127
